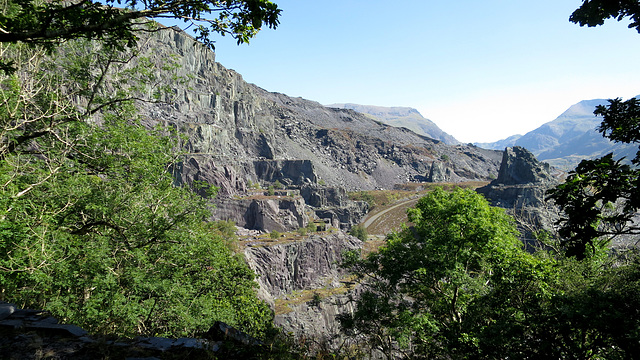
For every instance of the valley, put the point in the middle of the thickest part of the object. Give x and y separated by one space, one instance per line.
342 230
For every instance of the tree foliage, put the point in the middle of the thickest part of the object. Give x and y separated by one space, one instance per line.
112 21
92 227
601 197
423 282
595 12
458 285
359 231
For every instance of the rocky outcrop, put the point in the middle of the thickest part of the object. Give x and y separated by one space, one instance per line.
288 210
284 270
266 213
316 319
522 180
519 166
287 172
276 214
307 264
333 205
440 173
521 187
344 217
205 170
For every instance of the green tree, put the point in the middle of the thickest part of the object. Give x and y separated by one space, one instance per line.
600 197
359 231
458 285
421 285
594 314
91 226
110 244
49 22
595 12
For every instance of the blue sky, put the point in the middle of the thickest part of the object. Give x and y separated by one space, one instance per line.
481 70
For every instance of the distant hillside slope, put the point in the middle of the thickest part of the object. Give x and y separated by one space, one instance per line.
405 117
568 139
500 144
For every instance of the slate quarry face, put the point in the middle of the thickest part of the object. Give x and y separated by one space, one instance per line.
233 129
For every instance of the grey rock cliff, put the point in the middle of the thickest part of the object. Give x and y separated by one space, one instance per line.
520 189
238 135
231 124
279 213
307 264
304 266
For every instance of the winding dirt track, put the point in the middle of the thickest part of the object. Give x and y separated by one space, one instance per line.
377 216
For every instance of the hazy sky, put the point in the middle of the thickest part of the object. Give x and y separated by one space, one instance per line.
481 70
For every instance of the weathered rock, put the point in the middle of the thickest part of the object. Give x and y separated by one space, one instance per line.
287 269
233 124
520 189
288 172
279 213
204 169
520 166
6 310
317 319
307 264
522 180
332 204
439 172
344 217
223 332
324 196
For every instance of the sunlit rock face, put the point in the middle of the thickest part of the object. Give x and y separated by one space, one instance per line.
520 166
228 122
290 271
521 189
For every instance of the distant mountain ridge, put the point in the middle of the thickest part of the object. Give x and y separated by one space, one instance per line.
568 139
500 144
398 116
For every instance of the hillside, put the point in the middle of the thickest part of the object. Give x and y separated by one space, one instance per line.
402 117
500 144
240 134
569 138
